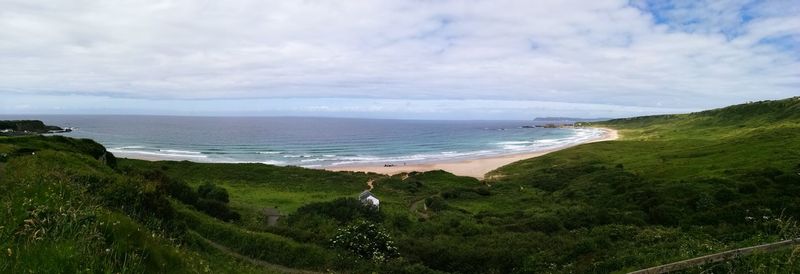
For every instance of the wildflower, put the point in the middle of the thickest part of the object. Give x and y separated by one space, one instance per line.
108 249
9 252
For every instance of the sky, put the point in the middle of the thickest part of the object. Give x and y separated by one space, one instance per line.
426 59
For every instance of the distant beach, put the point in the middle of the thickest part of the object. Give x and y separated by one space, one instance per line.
324 143
472 167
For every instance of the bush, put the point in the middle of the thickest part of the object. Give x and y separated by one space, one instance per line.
788 179
211 191
212 199
137 198
483 191
665 215
702 202
181 191
748 188
546 224
217 210
436 203
343 210
724 195
366 240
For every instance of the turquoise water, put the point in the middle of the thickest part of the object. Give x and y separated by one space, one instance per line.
312 142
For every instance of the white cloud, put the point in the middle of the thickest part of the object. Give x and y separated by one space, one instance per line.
472 109
603 52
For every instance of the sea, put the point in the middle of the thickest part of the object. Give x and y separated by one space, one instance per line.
312 142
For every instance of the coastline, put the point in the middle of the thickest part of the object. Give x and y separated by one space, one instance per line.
476 168
154 158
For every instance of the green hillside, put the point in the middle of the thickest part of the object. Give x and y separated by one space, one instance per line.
673 187
27 127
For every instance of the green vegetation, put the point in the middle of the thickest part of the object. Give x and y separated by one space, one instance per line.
673 187
252 187
26 127
366 240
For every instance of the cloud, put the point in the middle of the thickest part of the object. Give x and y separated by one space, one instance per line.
470 109
682 54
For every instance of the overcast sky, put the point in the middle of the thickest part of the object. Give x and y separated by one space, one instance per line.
429 59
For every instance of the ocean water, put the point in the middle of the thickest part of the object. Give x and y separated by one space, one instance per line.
312 142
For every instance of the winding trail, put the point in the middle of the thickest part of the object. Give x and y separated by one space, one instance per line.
271 266
414 208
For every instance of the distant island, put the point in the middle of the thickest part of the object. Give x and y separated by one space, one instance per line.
567 119
28 127
562 122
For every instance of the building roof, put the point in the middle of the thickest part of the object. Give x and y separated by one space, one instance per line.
365 194
372 200
271 212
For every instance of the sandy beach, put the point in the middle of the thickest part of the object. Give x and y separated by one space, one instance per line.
469 167
473 167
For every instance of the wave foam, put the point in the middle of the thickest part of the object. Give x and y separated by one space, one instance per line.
175 151
580 135
157 154
274 163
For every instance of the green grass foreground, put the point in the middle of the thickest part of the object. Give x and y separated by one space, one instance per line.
673 187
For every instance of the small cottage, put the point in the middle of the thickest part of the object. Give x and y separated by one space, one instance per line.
367 198
271 216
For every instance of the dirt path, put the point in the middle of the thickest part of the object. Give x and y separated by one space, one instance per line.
271 266
369 183
415 206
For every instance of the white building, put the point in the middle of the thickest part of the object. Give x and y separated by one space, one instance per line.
367 198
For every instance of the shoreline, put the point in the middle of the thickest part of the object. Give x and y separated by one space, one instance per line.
476 168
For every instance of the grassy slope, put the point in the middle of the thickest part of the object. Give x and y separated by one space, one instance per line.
52 222
700 177
253 187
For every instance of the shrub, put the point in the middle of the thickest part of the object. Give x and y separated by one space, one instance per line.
343 210
217 210
725 195
748 188
483 191
702 202
213 192
436 203
546 224
366 240
136 198
665 215
788 179
451 194
182 191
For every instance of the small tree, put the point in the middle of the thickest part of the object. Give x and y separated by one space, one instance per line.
213 192
366 240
